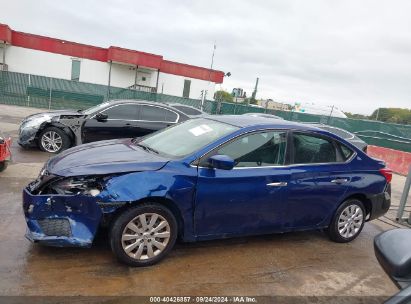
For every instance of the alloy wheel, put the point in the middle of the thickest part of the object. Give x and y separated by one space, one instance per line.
51 141
145 236
350 221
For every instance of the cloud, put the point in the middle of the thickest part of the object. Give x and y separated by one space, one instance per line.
352 54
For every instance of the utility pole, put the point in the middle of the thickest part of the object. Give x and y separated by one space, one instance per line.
255 90
331 113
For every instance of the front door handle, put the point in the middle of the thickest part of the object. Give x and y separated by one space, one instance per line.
278 184
340 180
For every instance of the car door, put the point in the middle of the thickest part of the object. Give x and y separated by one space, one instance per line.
120 123
249 198
152 118
319 178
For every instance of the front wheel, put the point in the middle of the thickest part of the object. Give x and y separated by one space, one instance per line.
347 221
54 140
143 235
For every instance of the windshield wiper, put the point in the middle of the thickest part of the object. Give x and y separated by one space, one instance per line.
147 148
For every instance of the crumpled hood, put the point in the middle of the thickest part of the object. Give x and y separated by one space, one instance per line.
52 114
104 157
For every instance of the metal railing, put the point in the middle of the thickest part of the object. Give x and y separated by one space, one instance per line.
143 88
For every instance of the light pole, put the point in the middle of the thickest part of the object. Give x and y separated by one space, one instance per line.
219 97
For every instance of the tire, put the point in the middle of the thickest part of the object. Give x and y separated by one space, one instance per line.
3 166
53 140
347 222
139 254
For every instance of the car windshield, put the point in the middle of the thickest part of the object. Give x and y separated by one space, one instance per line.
95 108
186 138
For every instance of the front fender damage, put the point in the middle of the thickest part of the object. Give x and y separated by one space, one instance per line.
73 220
74 122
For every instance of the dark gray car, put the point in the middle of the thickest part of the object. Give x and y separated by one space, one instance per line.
55 131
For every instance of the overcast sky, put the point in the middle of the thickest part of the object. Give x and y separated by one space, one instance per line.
352 54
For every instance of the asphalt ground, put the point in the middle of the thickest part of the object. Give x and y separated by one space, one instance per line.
291 264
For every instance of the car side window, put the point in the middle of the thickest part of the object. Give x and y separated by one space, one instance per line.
311 149
122 111
257 149
151 113
345 152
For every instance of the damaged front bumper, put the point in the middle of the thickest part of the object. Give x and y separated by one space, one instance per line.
27 136
61 220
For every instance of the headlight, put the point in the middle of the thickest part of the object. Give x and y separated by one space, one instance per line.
78 185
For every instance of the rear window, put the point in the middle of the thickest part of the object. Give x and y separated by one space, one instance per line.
342 133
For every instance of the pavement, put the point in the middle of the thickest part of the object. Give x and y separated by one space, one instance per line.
298 264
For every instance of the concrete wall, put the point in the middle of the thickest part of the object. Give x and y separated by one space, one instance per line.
28 61
174 85
397 161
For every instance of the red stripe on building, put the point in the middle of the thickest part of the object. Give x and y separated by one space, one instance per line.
134 57
191 71
58 46
115 54
397 161
5 33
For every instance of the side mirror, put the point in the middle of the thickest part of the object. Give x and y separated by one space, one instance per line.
222 162
392 249
101 117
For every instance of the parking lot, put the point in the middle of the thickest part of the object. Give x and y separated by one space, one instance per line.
304 263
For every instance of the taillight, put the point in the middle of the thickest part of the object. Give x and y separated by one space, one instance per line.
387 173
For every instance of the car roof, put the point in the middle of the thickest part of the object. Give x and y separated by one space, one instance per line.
266 115
243 121
145 102
174 105
181 105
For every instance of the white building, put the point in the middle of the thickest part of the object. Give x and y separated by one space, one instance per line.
114 66
311 108
272 105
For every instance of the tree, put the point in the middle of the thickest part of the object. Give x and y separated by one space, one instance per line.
394 115
356 116
250 101
223 96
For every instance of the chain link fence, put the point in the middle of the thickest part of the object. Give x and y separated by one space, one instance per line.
52 93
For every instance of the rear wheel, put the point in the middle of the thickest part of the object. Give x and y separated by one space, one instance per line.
347 222
143 235
54 140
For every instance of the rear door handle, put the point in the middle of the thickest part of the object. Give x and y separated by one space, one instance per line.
340 180
277 184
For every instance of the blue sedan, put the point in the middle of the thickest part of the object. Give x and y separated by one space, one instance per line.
206 178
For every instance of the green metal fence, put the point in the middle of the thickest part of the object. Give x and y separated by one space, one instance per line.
46 92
